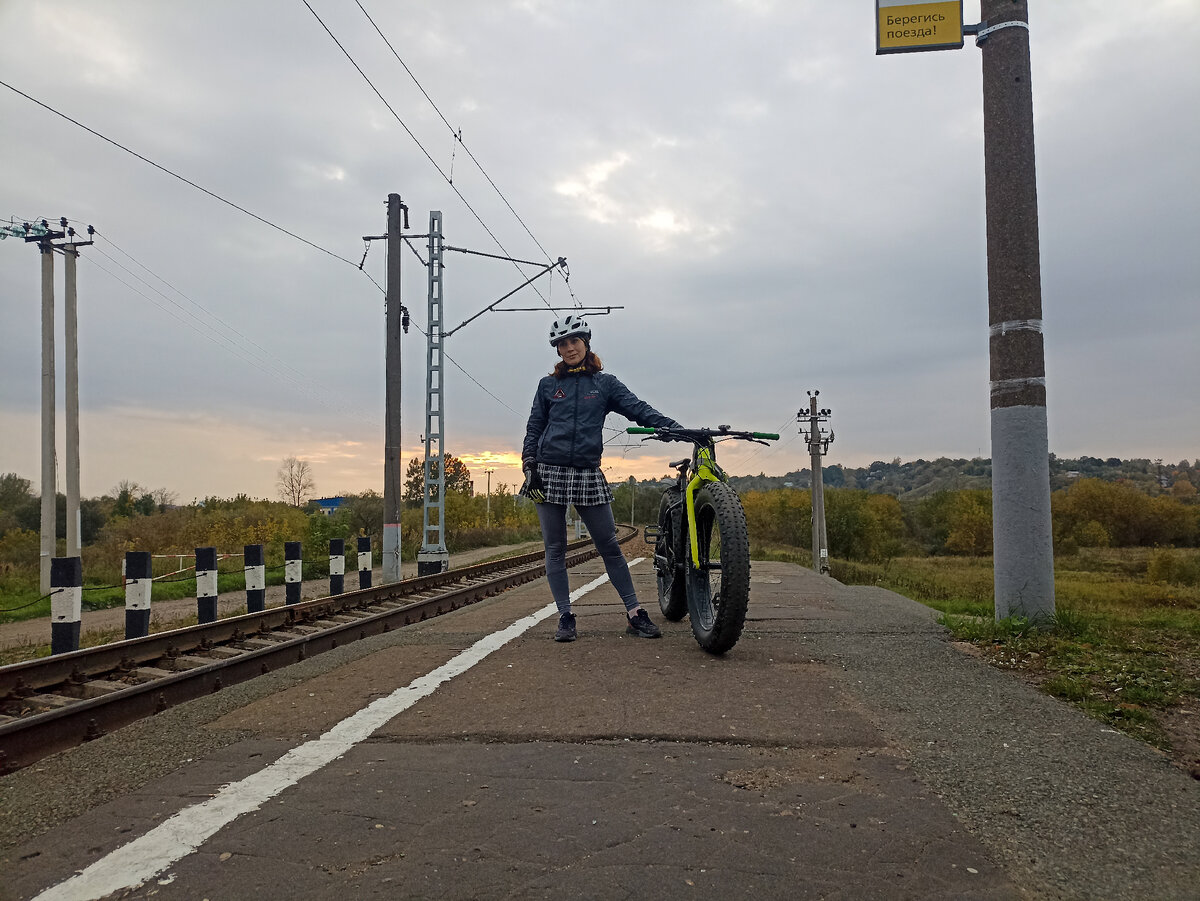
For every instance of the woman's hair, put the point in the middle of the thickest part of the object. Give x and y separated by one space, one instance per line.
591 363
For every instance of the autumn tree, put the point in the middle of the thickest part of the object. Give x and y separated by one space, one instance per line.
458 477
294 481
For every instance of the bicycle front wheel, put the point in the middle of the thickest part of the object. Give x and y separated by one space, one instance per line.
668 558
718 591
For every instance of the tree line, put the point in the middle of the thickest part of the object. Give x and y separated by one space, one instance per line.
862 523
865 525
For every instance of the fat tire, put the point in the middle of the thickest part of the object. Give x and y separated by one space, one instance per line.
671 578
718 626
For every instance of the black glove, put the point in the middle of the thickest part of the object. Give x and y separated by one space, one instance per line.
532 488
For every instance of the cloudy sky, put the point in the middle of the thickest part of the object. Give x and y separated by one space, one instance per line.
773 207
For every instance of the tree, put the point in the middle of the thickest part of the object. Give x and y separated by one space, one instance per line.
458 477
294 481
16 495
133 500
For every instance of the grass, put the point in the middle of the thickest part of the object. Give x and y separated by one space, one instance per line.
1124 647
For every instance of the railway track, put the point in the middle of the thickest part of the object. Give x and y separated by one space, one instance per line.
55 703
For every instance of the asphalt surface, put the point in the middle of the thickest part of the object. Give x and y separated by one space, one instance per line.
844 749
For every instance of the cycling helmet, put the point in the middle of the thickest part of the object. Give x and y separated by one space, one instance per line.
570 326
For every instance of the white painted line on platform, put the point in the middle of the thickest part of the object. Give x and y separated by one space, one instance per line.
172 840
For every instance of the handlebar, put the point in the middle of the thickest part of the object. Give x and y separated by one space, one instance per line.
700 434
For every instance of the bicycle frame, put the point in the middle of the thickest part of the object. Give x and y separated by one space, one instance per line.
704 469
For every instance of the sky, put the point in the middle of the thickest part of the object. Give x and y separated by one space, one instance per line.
768 206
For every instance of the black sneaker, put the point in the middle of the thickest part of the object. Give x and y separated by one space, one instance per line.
641 626
566 628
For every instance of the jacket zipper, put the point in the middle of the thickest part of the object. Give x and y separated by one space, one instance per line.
575 421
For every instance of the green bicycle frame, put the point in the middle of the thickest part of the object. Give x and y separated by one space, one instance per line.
706 470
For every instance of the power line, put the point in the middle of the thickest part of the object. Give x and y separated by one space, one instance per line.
231 348
186 181
297 378
471 377
456 133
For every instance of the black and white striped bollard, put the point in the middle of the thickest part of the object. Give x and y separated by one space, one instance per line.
138 581
293 573
364 562
337 566
206 584
256 579
66 603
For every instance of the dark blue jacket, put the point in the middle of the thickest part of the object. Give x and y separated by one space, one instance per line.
566 424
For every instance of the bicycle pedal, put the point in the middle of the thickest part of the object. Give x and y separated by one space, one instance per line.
652 534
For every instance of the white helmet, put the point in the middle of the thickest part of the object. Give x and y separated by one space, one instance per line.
570 326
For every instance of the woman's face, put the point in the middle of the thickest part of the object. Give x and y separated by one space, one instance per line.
572 350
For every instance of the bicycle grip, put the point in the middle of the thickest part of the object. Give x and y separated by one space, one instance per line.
639 430
768 435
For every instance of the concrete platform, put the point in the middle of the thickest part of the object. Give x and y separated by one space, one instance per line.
844 749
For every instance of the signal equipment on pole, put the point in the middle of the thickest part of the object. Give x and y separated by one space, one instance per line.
818 445
45 237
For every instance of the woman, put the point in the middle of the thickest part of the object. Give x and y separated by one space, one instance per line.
561 459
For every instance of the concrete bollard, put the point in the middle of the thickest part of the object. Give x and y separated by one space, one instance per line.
364 562
206 584
66 603
293 574
337 566
256 578
139 577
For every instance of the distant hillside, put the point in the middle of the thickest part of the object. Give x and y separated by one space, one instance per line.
921 478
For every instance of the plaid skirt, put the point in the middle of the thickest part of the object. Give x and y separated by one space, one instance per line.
581 487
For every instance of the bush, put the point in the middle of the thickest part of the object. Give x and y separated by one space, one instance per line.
1166 565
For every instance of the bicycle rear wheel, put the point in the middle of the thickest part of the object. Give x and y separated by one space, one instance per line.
718 592
668 558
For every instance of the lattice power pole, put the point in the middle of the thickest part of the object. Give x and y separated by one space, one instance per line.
433 556
818 445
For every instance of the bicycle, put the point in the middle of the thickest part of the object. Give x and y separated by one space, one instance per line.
701 548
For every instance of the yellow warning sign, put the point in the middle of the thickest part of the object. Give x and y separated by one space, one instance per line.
903 26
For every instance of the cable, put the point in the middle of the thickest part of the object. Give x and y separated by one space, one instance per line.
457 134
233 349
30 604
301 380
471 377
428 156
186 181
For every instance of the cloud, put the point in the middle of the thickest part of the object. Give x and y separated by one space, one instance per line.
587 188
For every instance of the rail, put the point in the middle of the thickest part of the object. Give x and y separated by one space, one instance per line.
54 703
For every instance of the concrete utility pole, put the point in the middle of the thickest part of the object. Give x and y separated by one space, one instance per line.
49 489
44 237
397 219
1022 538
489 496
818 445
71 336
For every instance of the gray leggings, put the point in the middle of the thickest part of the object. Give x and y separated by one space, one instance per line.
599 522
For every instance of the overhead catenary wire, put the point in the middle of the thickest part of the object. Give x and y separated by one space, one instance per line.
458 141
457 133
445 177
